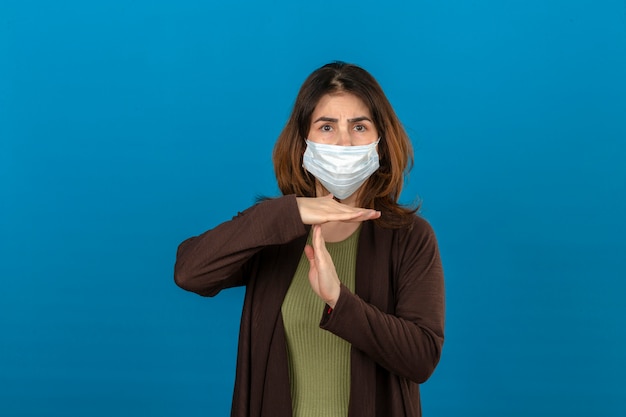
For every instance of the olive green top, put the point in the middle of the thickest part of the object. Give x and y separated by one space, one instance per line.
319 361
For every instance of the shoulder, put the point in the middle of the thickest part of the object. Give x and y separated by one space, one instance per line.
416 239
418 228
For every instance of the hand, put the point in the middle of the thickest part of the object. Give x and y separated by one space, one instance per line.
322 274
318 210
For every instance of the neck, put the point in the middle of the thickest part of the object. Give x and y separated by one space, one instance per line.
338 231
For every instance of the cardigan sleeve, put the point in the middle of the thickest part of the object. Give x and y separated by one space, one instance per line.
409 341
216 259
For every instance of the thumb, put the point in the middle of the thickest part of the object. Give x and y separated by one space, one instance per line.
310 254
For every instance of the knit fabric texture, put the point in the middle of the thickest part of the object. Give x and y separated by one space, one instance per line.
319 361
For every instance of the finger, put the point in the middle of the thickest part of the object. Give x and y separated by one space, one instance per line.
361 216
344 217
310 253
371 214
318 240
337 207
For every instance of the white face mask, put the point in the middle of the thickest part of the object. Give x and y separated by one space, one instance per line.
341 169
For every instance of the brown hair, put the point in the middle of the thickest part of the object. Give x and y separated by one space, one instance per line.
382 190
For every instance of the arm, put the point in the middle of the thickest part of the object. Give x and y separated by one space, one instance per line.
215 260
407 343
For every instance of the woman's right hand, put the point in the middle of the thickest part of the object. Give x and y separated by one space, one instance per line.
319 210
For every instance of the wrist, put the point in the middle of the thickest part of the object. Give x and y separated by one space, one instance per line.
332 302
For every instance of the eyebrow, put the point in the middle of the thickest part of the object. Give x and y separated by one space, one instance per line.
330 119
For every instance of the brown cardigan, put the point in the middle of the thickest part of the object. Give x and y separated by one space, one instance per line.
394 321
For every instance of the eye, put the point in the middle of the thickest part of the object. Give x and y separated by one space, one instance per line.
360 128
326 128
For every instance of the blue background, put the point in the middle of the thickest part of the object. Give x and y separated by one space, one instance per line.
126 127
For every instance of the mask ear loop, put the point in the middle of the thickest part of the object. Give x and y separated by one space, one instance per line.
315 179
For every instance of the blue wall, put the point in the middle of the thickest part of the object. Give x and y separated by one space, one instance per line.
126 127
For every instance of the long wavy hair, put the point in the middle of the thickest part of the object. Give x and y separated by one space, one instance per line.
382 190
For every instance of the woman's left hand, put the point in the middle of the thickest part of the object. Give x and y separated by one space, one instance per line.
322 274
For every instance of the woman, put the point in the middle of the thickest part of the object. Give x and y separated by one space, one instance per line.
344 307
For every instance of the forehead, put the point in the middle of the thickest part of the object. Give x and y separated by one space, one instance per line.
341 103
